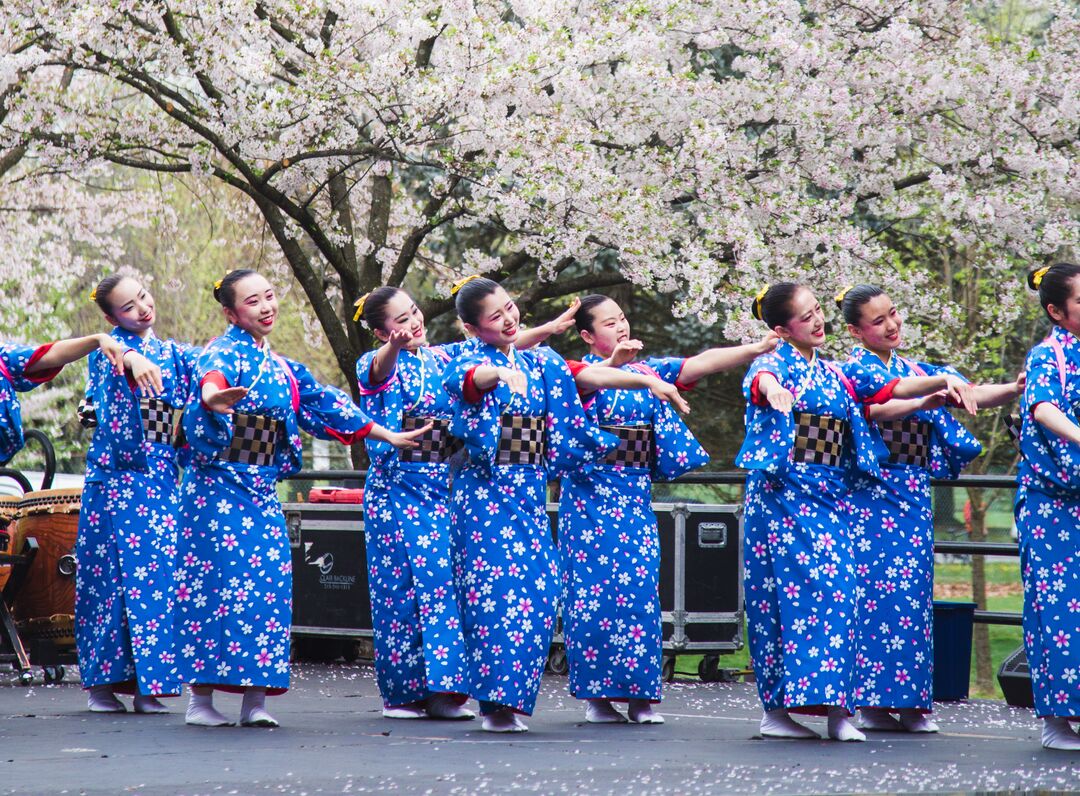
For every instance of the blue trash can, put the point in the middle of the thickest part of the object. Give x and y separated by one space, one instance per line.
952 650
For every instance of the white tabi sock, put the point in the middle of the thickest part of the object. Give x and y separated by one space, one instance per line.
878 720
101 699
916 721
601 711
414 710
144 703
201 713
778 724
446 706
641 712
840 726
504 720
1057 734
253 710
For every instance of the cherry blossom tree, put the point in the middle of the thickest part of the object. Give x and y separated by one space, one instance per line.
703 147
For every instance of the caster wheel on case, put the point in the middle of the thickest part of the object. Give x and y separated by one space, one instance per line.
26 677
557 662
667 668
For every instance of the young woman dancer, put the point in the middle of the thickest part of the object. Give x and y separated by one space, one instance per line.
1047 505
892 521
419 651
520 418
805 433
22 368
130 507
608 539
234 576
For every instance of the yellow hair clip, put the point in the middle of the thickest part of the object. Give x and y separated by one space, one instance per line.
93 294
217 284
842 293
757 301
1037 277
461 283
359 304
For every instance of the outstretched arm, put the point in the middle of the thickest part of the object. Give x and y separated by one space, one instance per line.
386 357
598 377
715 360
64 352
991 395
528 338
1055 421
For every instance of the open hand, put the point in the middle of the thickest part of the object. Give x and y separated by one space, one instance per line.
962 394
113 350
222 400
514 379
625 352
145 374
565 319
399 339
406 440
670 393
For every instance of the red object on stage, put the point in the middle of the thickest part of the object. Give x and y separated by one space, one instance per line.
335 494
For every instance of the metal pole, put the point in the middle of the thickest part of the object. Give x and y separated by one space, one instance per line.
678 612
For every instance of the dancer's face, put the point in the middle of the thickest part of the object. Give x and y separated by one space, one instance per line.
1068 316
132 307
880 325
609 328
255 306
806 328
403 314
498 319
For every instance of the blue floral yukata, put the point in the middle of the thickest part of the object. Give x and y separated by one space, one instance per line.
801 614
610 547
419 649
127 527
15 360
892 527
234 571
1048 519
506 568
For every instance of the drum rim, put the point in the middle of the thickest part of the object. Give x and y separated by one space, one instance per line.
50 501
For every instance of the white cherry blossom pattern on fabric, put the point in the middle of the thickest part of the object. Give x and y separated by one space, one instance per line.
609 548
234 570
126 548
892 527
799 568
419 649
505 563
1047 513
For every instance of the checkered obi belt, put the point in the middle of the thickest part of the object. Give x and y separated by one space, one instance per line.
522 440
635 446
253 441
908 441
158 418
819 439
436 446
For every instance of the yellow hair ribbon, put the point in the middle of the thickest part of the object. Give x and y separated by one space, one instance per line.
842 293
1037 277
359 304
217 284
757 301
461 283
93 294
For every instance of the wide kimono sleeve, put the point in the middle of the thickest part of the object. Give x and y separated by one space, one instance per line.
574 442
475 422
872 385
669 369
327 412
14 362
208 433
383 403
953 447
119 419
1053 458
867 451
677 450
770 434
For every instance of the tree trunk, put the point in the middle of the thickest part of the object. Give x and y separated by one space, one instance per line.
981 635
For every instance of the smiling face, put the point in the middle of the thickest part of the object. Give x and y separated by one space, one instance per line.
497 320
132 307
1068 316
403 314
880 325
609 328
806 328
255 306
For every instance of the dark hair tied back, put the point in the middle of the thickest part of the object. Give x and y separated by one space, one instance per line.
584 320
1054 285
773 305
104 289
851 301
374 306
225 288
469 295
